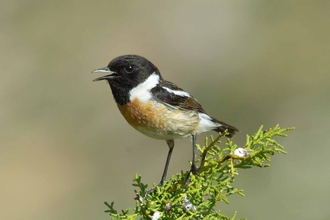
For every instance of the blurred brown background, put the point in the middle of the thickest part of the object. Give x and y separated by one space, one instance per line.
65 149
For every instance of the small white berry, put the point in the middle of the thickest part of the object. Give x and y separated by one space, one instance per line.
241 152
156 215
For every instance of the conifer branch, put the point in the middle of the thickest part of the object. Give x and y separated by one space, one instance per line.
219 164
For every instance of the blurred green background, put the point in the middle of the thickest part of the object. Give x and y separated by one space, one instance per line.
65 148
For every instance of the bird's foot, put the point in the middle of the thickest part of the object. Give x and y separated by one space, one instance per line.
193 170
150 191
153 190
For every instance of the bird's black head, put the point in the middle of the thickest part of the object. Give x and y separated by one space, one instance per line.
127 72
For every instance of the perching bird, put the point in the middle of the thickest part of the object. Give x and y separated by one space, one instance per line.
156 107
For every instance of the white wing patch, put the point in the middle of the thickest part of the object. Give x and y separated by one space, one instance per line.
177 92
142 91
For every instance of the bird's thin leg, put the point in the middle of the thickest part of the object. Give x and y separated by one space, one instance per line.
193 168
170 144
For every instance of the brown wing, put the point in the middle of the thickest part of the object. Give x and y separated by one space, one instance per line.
173 96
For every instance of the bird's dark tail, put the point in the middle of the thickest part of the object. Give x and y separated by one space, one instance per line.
224 126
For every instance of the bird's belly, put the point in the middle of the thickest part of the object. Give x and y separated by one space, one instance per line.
159 121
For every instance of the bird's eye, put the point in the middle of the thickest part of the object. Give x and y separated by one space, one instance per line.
129 69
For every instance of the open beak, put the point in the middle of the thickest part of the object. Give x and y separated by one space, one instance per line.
104 70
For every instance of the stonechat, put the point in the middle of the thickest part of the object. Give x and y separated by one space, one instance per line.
156 107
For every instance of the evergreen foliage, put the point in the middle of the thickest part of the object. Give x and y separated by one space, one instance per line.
219 165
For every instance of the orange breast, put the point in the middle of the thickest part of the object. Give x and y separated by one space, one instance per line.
158 121
138 114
